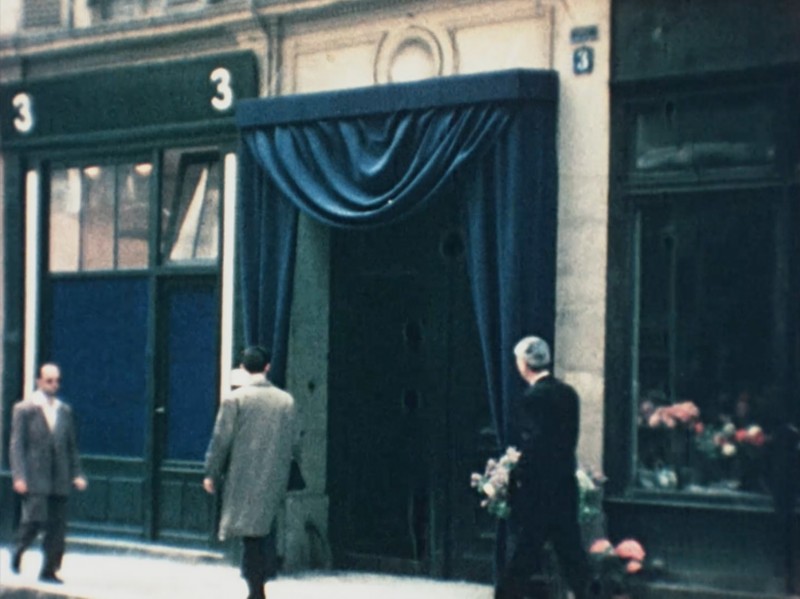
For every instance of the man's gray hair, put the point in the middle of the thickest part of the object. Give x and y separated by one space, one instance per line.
535 352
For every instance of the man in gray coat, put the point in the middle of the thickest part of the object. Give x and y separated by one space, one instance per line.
256 436
44 466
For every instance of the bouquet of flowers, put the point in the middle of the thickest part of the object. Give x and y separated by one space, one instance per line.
493 485
725 441
616 566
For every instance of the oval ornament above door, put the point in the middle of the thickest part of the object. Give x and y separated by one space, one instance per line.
413 53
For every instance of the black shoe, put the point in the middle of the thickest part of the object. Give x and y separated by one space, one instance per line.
50 578
16 561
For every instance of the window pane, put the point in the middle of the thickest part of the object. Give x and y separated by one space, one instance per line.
65 214
707 333
134 201
208 227
97 242
190 214
704 132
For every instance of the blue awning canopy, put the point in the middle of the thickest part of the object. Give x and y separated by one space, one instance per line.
457 90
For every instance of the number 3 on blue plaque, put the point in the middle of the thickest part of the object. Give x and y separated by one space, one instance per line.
583 60
23 113
223 98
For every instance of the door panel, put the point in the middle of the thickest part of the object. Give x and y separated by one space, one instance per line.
407 394
98 335
191 368
96 330
186 406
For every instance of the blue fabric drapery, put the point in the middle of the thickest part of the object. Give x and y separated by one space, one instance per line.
366 157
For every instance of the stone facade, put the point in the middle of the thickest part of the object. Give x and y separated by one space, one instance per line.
317 45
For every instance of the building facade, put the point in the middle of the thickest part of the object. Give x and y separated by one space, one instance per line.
677 169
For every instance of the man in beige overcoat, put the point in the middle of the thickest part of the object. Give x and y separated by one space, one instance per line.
255 438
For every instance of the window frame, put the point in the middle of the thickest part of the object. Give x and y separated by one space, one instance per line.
628 188
103 160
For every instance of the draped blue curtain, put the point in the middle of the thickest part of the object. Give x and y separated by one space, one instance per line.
366 157
511 223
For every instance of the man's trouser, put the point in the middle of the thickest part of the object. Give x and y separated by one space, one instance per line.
48 513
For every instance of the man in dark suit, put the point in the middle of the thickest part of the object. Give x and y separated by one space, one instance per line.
544 505
44 466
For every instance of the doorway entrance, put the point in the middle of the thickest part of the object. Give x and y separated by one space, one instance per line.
409 417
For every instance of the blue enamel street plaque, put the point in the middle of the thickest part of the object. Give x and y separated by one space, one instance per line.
583 60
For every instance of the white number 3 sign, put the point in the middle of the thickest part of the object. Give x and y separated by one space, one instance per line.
223 98
23 113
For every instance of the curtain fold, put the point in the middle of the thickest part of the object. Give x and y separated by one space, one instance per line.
266 247
511 228
370 170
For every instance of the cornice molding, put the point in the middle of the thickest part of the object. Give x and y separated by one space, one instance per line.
234 14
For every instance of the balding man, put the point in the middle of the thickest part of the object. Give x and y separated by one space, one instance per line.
44 467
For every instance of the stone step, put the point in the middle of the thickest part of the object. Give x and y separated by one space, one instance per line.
92 544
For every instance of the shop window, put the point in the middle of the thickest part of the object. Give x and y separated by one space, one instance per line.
709 323
190 209
99 217
101 11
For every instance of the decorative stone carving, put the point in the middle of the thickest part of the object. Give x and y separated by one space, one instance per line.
412 53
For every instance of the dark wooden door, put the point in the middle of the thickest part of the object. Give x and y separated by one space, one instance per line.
407 398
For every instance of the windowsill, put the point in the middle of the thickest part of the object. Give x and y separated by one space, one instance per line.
725 176
712 499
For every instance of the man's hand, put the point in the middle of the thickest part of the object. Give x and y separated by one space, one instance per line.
20 486
209 486
80 483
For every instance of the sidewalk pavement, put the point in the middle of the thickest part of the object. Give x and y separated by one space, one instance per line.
93 575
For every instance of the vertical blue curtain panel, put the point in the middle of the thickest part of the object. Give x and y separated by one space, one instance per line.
367 157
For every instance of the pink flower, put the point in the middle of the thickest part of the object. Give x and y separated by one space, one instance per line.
684 412
601 546
630 549
633 566
755 435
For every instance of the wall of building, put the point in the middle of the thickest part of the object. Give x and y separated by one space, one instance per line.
582 219
325 45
